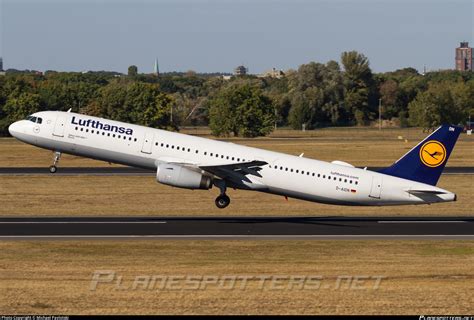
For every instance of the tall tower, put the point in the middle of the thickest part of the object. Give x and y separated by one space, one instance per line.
464 57
156 68
1 64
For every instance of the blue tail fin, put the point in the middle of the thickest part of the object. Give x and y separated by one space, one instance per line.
426 161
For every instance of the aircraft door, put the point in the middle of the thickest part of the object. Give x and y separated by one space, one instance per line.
376 188
147 142
59 126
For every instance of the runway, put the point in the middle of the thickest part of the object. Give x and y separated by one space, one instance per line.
220 228
129 171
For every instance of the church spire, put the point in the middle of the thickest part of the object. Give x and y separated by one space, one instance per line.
156 68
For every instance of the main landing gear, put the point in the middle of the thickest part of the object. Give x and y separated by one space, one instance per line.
222 200
53 168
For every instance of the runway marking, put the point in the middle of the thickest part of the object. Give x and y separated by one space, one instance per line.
421 221
81 222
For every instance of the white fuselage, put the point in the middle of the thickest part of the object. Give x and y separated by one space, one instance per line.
286 175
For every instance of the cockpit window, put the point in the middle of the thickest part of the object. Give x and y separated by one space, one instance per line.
34 119
31 118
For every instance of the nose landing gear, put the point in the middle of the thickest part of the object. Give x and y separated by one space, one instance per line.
53 168
222 200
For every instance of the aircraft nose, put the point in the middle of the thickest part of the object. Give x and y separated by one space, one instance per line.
14 128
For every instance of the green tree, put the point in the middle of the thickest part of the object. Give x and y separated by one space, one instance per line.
358 85
241 109
443 102
19 107
134 102
316 93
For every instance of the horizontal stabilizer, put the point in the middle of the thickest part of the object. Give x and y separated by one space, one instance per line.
416 192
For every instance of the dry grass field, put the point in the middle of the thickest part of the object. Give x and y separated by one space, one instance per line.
143 196
420 277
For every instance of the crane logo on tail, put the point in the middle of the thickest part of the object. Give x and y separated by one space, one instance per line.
432 153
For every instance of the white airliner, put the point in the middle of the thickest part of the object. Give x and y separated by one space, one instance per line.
197 163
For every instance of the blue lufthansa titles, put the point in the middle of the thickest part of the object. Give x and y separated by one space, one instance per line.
99 125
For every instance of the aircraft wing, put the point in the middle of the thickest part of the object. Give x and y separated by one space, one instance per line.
236 171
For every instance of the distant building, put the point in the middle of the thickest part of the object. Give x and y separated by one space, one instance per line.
464 57
156 68
274 73
240 71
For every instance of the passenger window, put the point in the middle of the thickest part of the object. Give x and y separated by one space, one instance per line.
39 120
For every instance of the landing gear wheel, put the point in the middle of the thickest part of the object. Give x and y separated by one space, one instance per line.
222 201
57 156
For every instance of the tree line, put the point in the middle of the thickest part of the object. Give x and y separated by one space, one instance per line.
315 95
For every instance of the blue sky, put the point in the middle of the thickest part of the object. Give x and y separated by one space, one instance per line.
216 36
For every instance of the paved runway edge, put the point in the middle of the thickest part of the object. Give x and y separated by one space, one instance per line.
129 171
247 228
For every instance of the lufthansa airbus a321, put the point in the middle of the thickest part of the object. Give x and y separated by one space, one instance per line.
197 163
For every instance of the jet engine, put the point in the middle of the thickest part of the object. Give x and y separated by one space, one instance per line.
182 177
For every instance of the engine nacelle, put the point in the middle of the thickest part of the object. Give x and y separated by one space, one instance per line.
182 177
